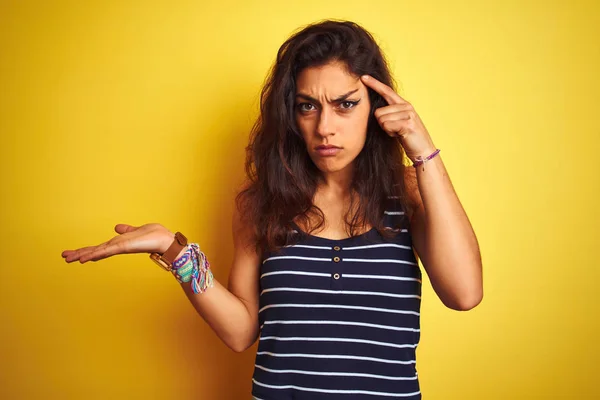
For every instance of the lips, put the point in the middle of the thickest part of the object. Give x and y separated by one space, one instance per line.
327 150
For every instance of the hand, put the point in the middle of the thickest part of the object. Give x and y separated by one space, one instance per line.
399 119
148 238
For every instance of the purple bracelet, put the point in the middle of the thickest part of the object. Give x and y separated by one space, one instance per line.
420 160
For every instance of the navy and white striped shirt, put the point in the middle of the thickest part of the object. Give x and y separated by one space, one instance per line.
340 318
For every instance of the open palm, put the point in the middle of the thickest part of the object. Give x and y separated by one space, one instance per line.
147 238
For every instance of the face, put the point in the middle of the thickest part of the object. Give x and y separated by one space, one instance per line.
332 110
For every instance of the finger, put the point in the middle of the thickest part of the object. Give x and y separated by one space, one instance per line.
124 228
393 127
73 255
397 116
391 109
103 251
384 90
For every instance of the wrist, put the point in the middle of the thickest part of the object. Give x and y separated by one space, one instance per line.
420 160
166 243
426 152
181 253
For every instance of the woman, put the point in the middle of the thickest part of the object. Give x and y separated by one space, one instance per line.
328 229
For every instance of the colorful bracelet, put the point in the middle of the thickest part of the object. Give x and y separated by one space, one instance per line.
182 266
193 266
420 160
202 277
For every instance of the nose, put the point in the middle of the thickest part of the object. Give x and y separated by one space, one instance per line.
324 125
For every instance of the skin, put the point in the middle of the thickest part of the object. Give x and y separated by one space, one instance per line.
442 235
332 108
323 121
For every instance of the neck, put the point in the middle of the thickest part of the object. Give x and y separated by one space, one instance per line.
336 184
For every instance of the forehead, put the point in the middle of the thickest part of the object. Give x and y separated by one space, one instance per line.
328 77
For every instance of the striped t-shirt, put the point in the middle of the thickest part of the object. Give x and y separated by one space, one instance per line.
339 319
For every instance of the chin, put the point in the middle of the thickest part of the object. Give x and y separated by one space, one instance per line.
330 166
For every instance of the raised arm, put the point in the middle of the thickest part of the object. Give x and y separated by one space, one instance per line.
442 234
443 237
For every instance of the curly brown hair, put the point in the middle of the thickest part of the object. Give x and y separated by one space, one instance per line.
281 177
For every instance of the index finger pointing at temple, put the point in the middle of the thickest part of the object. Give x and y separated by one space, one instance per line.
384 90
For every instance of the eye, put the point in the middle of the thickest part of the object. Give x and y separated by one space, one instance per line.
303 107
347 105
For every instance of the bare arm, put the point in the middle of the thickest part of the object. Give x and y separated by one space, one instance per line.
443 237
233 312
442 234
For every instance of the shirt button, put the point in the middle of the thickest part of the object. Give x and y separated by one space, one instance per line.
336 276
337 248
336 259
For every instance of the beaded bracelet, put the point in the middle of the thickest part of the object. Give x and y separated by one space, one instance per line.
193 266
420 160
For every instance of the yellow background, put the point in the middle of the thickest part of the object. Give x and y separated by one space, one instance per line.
139 112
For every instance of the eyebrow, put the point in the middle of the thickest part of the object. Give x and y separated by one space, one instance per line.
337 100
